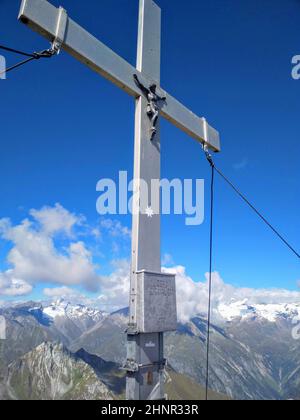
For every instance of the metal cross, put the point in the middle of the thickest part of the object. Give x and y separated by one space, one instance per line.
152 294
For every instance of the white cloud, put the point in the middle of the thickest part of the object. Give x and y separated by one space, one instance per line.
4 225
167 260
34 257
115 287
59 292
11 286
96 233
56 219
115 228
114 290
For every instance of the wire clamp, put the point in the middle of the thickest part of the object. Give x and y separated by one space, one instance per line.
208 155
205 144
44 54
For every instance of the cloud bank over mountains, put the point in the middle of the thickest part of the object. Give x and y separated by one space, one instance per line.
193 296
52 247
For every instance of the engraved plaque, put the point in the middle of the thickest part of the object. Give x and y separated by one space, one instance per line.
156 302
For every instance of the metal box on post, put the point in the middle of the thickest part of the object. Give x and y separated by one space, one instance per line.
156 302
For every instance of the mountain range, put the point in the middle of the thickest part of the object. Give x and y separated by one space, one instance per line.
253 353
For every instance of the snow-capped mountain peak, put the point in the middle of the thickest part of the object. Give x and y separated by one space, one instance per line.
62 308
234 310
269 312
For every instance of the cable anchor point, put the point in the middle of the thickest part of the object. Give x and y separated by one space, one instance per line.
208 155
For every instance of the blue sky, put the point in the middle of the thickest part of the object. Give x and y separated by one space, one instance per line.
63 128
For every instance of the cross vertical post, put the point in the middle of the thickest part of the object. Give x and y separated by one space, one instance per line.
146 253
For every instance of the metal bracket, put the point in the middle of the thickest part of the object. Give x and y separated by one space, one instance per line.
131 366
62 21
206 136
132 329
160 365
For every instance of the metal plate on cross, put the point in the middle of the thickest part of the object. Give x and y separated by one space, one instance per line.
156 302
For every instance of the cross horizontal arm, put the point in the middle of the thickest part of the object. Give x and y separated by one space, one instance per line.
42 17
